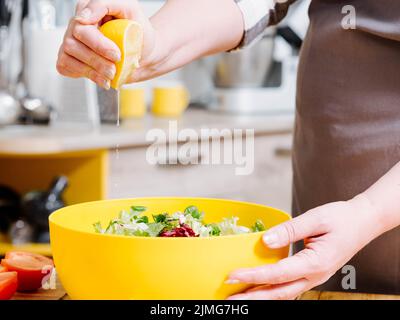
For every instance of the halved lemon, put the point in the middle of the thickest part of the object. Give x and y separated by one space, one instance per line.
128 36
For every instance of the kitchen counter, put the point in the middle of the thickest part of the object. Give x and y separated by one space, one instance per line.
72 137
60 294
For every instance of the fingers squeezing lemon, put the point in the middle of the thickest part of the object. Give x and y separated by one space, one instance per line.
128 36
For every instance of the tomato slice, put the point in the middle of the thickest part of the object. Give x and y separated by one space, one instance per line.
3 269
31 268
28 260
8 285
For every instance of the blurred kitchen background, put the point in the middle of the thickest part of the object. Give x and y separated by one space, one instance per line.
59 139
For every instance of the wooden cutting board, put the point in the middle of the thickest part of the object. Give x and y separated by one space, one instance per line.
60 294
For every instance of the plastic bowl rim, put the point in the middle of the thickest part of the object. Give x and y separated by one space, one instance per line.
52 217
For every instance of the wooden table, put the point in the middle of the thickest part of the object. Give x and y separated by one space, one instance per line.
60 294
325 295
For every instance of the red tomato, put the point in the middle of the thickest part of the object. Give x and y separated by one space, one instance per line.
8 285
31 268
3 269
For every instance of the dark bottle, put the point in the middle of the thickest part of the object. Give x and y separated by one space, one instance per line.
38 205
10 207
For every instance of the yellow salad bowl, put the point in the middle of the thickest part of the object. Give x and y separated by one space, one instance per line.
98 266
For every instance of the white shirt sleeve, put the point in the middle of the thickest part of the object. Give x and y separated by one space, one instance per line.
257 16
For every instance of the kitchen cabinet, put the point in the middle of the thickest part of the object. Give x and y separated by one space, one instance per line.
270 183
86 172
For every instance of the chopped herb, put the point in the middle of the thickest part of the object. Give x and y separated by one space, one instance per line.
258 226
97 227
138 208
160 217
143 219
214 230
111 227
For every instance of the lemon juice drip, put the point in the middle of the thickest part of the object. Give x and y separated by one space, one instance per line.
118 108
116 184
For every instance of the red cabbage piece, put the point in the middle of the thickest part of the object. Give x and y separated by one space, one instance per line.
183 231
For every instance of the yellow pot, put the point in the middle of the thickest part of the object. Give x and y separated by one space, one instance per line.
97 266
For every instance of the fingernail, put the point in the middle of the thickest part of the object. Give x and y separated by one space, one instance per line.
106 84
110 73
114 56
271 239
85 14
232 281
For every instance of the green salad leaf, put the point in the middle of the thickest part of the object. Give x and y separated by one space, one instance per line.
194 212
155 229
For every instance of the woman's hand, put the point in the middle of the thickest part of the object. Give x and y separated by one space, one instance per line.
333 234
85 52
180 32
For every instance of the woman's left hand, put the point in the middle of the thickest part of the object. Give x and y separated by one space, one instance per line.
333 234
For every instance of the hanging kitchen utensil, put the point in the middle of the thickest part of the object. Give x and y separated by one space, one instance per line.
35 110
10 107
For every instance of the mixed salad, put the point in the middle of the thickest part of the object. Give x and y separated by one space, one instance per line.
189 223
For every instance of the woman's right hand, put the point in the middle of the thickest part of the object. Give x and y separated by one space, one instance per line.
85 52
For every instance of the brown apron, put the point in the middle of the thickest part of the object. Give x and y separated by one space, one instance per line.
348 122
